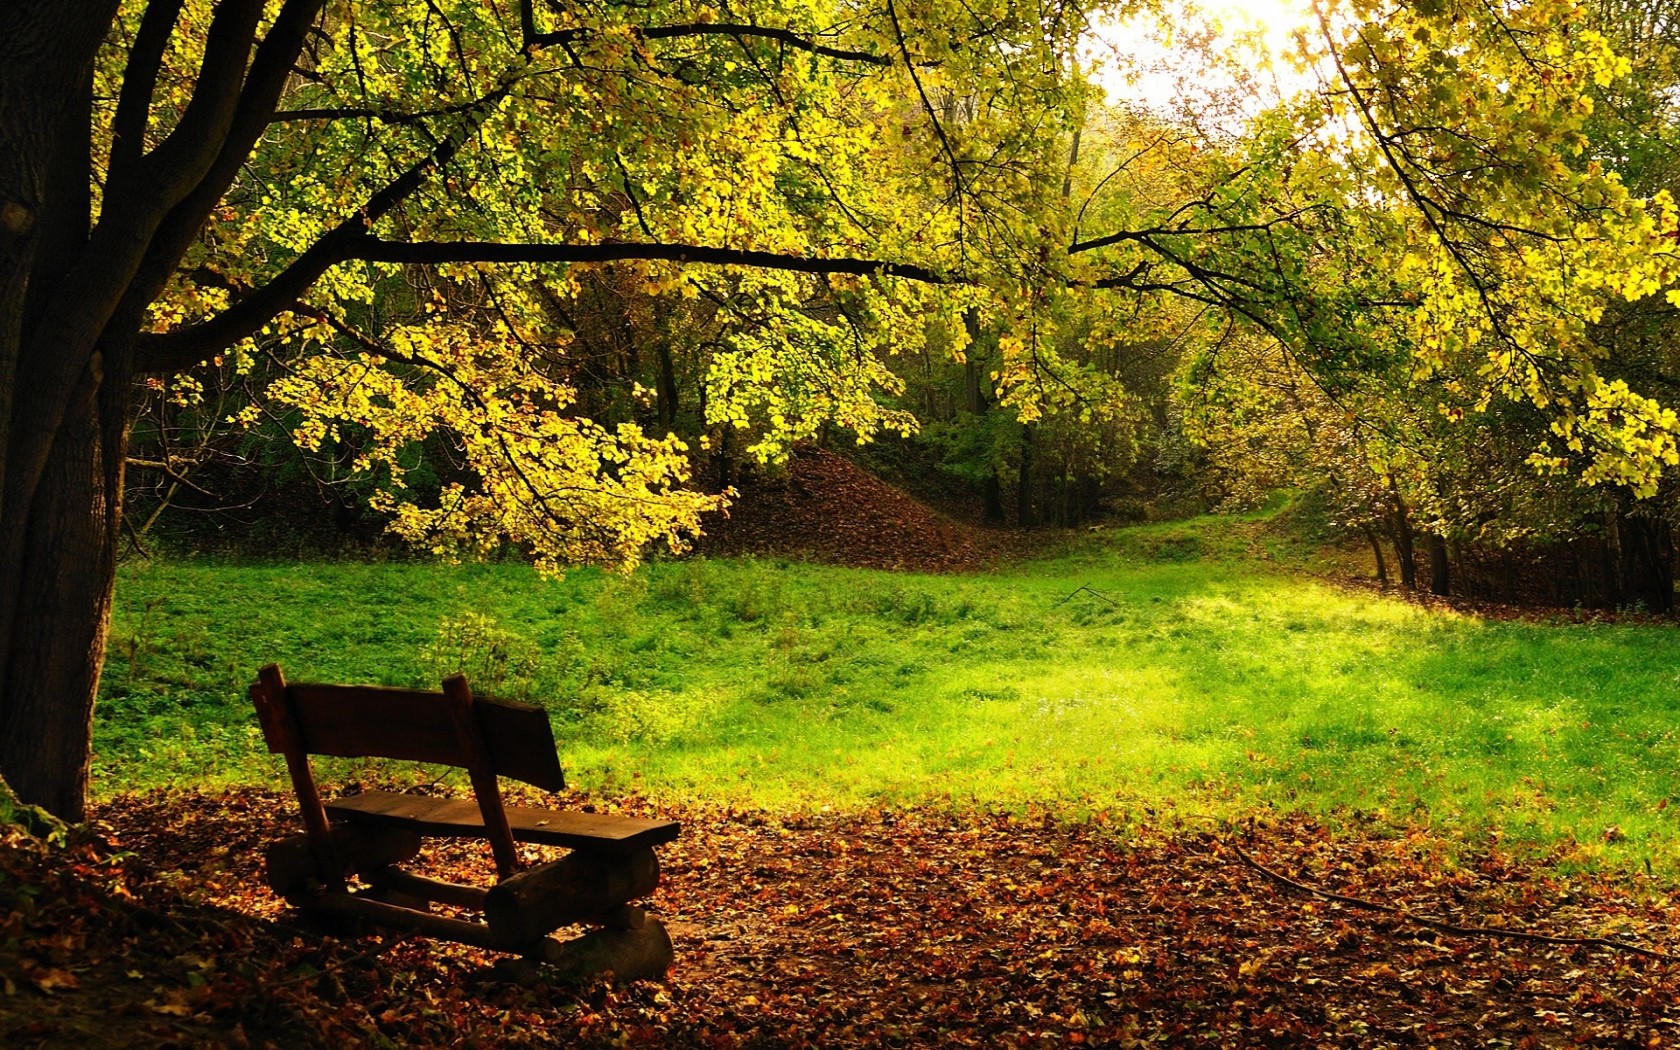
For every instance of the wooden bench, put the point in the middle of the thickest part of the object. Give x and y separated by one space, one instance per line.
368 835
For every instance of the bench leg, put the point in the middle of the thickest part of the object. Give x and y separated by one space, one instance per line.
293 870
641 954
579 887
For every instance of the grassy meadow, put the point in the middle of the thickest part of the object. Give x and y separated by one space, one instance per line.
1147 673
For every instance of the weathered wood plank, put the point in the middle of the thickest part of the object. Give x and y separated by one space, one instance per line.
460 818
356 721
280 726
521 743
392 916
476 757
625 917
364 721
410 884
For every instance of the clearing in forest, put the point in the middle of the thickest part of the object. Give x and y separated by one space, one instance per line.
1017 806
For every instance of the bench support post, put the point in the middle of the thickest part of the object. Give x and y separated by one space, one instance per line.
268 695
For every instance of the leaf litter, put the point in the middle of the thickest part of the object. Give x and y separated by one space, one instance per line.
899 927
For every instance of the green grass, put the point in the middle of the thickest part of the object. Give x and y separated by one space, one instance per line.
1197 680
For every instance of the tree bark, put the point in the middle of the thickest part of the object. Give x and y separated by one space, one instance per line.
1024 517
1440 567
61 460
61 605
1377 551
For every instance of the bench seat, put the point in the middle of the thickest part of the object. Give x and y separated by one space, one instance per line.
460 818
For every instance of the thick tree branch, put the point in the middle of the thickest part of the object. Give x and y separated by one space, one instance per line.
740 31
145 59
349 241
383 116
438 252
171 170
275 58
1143 236
67 352
184 348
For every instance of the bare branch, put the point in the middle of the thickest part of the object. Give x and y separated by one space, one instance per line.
740 31
437 252
182 349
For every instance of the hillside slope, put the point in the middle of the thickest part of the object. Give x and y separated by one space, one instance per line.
825 508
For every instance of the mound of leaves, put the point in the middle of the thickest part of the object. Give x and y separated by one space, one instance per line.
891 928
824 507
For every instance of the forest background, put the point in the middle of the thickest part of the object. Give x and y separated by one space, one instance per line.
1254 337
1251 343
529 280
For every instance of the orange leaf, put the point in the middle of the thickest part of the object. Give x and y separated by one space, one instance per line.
50 980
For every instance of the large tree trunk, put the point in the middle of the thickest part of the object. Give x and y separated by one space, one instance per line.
61 605
61 443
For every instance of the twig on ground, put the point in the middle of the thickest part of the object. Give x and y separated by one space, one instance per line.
1087 590
1441 924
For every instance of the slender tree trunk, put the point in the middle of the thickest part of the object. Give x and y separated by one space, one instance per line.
1377 551
991 500
974 389
1647 570
724 458
1400 524
975 401
1440 567
667 388
1024 516
1607 566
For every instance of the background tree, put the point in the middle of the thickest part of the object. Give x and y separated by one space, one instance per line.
1517 343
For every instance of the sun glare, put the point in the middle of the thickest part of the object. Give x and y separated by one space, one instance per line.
1230 52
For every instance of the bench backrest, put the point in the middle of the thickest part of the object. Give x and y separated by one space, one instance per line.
485 737
411 725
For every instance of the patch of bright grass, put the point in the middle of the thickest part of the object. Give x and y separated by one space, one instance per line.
1188 678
